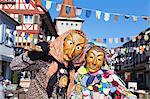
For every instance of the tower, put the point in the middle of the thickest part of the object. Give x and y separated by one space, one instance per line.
67 19
71 13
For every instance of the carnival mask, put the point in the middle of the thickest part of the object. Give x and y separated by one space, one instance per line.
73 46
94 59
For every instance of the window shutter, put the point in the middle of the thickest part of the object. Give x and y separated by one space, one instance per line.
35 19
20 18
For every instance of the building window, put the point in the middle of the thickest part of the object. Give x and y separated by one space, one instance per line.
9 40
28 19
20 18
76 24
66 23
62 23
35 19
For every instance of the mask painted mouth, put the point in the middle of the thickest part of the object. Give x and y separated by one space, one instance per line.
69 56
93 67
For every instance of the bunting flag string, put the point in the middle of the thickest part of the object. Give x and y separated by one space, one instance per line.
126 50
116 40
98 13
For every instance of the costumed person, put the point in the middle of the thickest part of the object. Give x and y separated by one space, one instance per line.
95 79
52 66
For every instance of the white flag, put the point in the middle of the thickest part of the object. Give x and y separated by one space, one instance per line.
135 18
58 7
110 40
15 32
22 34
98 14
116 40
78 11
106 16
48 4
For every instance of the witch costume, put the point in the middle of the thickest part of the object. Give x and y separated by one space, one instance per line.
53 77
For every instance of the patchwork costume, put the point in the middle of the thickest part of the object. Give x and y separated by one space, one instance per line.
97 80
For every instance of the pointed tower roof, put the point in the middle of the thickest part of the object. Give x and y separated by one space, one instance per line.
67 4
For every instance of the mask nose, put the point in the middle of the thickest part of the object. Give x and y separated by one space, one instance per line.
94 62
71 52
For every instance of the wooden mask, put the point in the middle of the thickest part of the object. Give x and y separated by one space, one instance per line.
73 46
95 59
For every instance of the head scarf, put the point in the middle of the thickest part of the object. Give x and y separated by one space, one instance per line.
56 48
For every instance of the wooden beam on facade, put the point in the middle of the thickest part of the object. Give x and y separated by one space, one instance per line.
7 2
26 11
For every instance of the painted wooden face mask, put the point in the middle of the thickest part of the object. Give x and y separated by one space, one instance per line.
73 46
95 59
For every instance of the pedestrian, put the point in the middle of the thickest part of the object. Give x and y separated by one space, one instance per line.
52 65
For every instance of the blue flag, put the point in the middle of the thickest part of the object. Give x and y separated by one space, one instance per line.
26 36
88 13
27 1
104 40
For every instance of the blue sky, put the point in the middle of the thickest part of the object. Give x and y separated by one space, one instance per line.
123 28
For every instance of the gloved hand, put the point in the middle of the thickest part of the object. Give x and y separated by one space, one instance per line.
40 53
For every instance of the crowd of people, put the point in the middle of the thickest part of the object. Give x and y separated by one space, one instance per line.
69 67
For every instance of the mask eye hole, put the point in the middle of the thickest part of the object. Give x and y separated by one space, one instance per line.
69 42
78 47
99 59
91 56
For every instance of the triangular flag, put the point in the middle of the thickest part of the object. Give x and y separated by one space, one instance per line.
135 18
26 36
145 17
88 13
68 8
127 16
78 11
98 40
22 34
116 17
12 32
122 39
58 7
48 4
15 32
33 40
27 1
106 16
98 14
31 36
94 39
128 38
104 40
110 40
116 40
